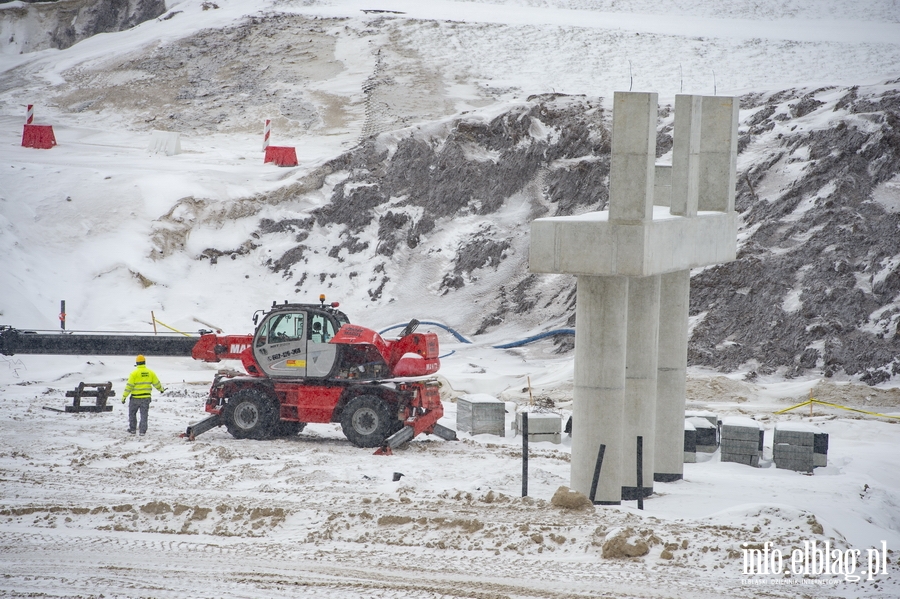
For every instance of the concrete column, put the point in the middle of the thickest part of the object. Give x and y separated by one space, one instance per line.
631 168
640 383
718 153
631 346
662 185
674 300
601 312
686 155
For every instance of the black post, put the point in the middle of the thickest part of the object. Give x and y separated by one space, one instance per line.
524 454
62 314
597 467
640 472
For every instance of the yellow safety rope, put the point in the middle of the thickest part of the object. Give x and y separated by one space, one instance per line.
170 328
812 401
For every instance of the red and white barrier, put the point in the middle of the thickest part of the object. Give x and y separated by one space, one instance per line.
37 136
279 155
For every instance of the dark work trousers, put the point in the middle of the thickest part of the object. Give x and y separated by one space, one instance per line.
135 404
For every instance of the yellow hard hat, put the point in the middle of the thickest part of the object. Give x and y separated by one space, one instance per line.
140 360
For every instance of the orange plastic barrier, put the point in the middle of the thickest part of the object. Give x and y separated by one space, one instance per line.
38 136
281 155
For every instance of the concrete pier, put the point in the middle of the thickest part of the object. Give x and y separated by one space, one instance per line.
640 383
599 397
633 265
671 375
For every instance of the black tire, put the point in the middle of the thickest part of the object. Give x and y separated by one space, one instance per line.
250 414
366 421
287 428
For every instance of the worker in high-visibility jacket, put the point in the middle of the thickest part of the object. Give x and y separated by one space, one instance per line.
139 387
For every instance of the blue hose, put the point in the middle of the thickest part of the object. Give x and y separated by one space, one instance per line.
509 345
459 337
534 338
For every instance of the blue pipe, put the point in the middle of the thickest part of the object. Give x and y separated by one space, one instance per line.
534 338
509 345
459 337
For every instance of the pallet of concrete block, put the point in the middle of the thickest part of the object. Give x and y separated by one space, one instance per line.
799 446
542 426
479 414
690 442
742 441
706 430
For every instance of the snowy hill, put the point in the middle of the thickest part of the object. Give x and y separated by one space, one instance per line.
429 135
474 142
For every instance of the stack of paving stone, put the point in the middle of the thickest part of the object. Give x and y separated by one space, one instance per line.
706 430
690 443
742 441
820 450
479 414
799 447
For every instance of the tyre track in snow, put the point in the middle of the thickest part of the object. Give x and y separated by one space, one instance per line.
46 565
312 515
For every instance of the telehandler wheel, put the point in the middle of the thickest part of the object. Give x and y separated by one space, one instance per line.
287 428
250 414
366 421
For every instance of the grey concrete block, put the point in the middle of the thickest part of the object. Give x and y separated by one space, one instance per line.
711 418
784 450
795 465
793 457
799 447
740 433
746 447
690 457
793 437
707 436
747 460
707 448
707 431
690 440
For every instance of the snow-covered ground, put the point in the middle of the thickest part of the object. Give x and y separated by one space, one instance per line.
87 510
90 510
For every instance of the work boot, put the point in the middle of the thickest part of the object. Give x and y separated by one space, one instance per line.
131 431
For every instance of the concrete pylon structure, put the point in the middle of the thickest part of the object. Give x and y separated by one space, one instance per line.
633 266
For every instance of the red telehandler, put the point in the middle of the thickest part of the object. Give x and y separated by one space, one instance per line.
304 363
